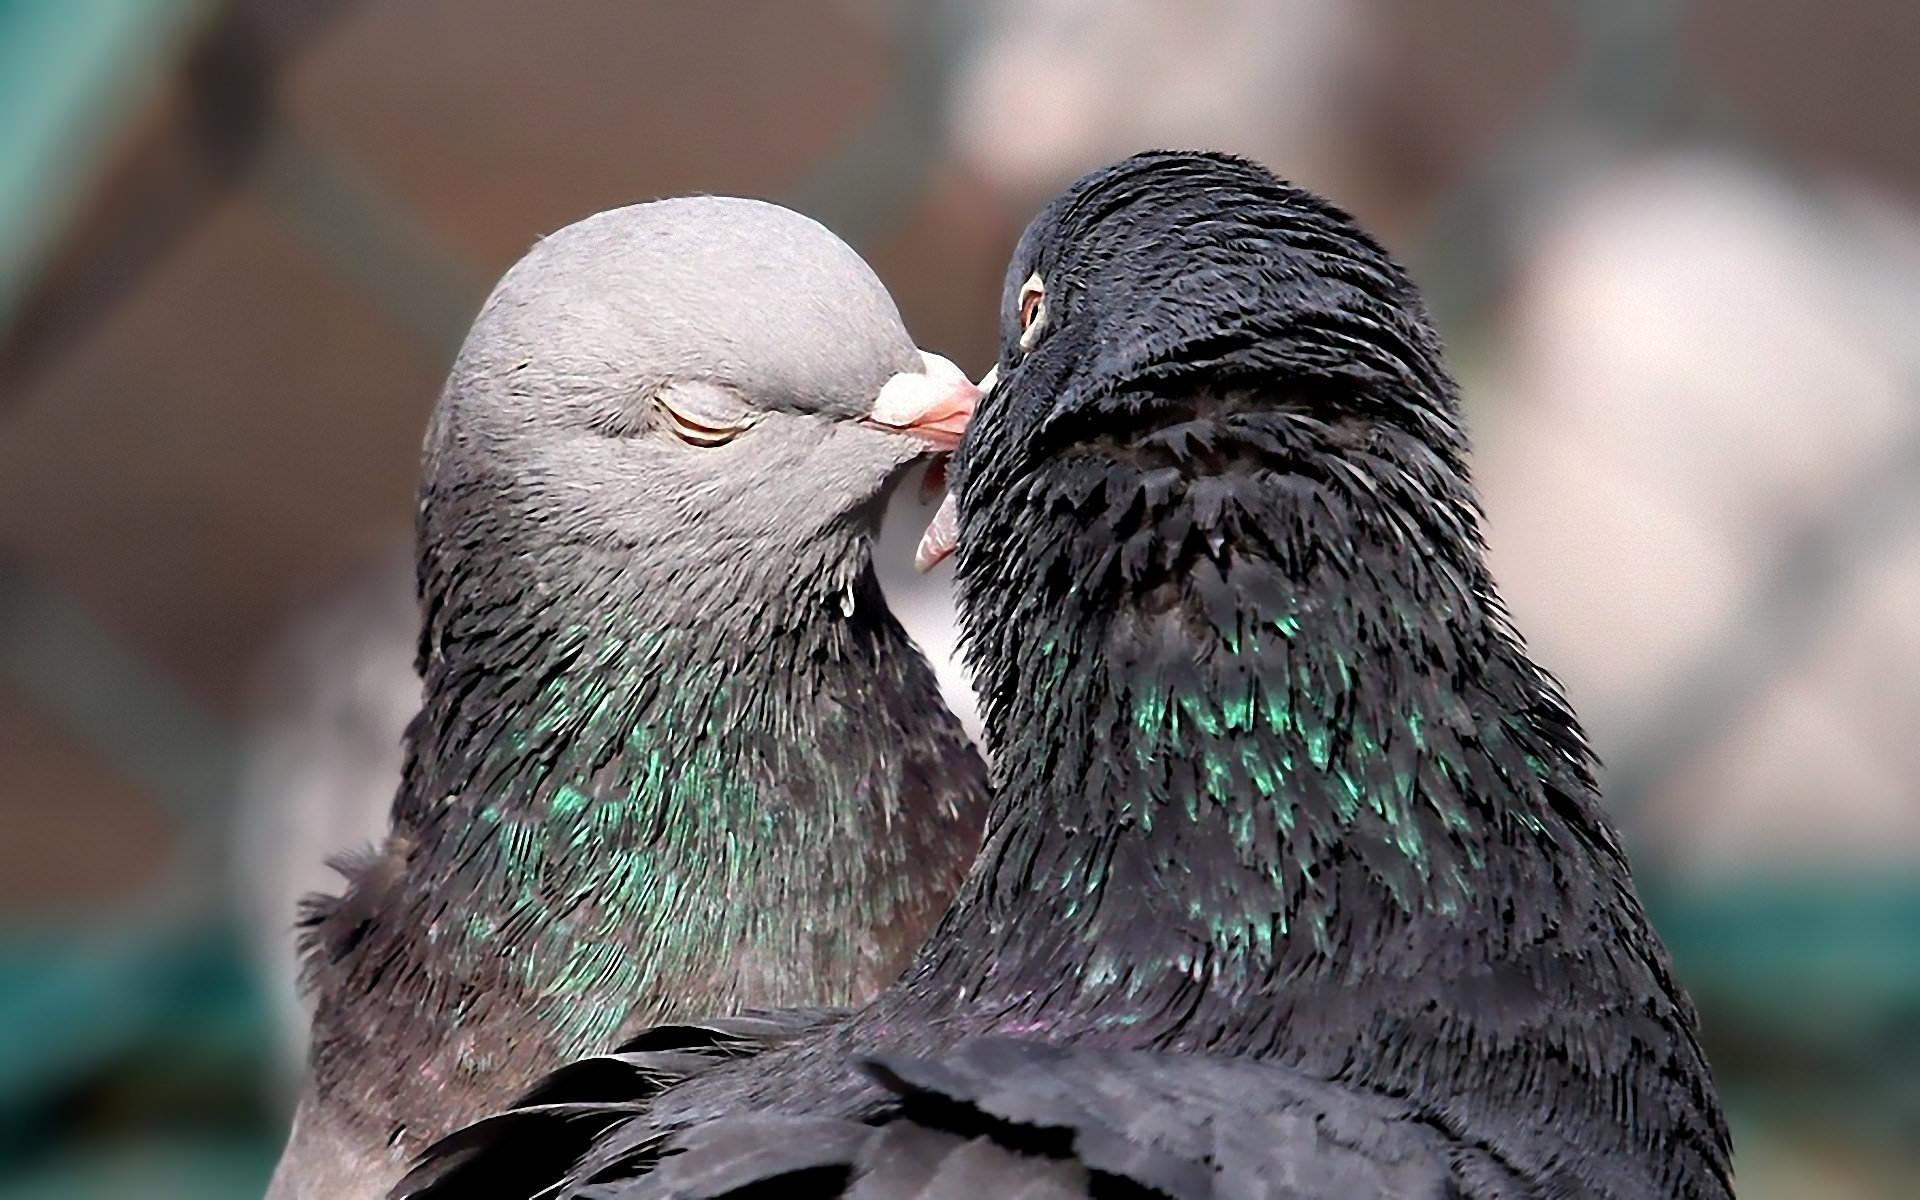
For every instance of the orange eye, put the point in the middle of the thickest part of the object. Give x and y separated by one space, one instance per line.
1029 309
1033 310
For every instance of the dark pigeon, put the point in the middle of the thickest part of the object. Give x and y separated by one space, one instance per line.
1297 884
675 754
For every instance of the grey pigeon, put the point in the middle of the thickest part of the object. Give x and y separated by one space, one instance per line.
675 754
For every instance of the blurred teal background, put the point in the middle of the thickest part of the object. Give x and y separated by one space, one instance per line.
1675 246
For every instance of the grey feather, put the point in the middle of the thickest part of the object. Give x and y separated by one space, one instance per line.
653 650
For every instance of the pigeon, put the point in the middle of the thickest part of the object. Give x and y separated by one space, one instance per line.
1297 883
675 755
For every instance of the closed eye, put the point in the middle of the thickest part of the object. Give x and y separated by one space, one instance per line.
702 414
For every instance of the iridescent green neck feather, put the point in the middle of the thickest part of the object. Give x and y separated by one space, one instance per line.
626 804
1279 780
1326 755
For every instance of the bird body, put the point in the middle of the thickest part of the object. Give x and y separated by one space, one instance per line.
1297 882
675 753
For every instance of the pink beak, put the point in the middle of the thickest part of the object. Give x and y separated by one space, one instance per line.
940 539
933 404
943 532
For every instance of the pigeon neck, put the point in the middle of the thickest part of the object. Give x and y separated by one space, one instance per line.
1274 752
1277 781
625 805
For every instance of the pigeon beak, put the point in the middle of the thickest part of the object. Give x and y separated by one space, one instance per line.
943 532
942 535
933 404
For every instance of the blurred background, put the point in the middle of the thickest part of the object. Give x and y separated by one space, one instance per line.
1675 247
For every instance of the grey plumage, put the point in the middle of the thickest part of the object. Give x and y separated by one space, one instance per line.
675 753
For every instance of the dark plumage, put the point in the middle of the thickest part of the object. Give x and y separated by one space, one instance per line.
1297 881
675 753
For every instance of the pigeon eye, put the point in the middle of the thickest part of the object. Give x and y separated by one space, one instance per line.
1030 307
702 414
1033 310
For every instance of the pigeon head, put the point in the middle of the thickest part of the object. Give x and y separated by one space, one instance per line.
702 379
1171 271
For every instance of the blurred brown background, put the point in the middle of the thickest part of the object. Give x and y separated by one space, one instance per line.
1675 247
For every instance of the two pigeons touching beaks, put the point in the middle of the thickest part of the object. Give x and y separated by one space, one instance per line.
1292 879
